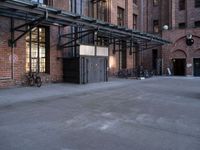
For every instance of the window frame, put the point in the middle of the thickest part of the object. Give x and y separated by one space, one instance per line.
37 41
182 25
99 10
135 17
120 16
156 25
182 5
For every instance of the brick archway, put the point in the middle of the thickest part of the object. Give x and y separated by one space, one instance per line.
183 37
179 54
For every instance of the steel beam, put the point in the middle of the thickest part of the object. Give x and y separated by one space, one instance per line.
24 7
31 24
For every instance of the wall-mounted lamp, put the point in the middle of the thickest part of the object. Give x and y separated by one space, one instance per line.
165 27
189 40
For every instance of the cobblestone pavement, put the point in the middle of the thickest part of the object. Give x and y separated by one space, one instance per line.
161 113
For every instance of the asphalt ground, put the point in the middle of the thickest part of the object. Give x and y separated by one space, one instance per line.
160 113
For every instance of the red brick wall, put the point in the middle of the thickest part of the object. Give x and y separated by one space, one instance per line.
189 15
168 13
130 9
19 52
55 56
5 52
179 47
20 57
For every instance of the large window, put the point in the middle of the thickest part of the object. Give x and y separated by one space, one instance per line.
197 3
181 4
37 50
120 16
155 26
102 11
134 21
99 10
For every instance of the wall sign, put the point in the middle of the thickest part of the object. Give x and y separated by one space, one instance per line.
15 58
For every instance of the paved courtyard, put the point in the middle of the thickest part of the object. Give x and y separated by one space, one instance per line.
160 113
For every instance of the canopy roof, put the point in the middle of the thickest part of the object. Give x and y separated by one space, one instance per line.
28 11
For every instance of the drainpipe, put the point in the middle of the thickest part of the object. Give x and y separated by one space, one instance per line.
12 62
75 29
12 49
142 24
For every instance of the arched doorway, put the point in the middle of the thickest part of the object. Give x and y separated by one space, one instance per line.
179 63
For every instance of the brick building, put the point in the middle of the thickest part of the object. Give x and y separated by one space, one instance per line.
33 31
183 21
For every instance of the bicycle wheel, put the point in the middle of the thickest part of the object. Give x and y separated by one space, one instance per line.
24 81
38 81
31 81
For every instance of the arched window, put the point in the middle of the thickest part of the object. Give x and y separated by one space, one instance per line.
181 4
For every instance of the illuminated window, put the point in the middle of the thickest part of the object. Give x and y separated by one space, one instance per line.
36 50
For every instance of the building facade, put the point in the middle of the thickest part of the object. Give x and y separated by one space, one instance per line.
177 21
38 51
35 51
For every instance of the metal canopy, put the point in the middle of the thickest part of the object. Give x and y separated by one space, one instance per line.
35 14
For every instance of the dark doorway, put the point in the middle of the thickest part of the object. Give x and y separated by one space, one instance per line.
123 55
196 66
179 66
154 59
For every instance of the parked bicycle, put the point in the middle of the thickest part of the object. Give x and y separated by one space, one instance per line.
32 79
123 73
135 72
